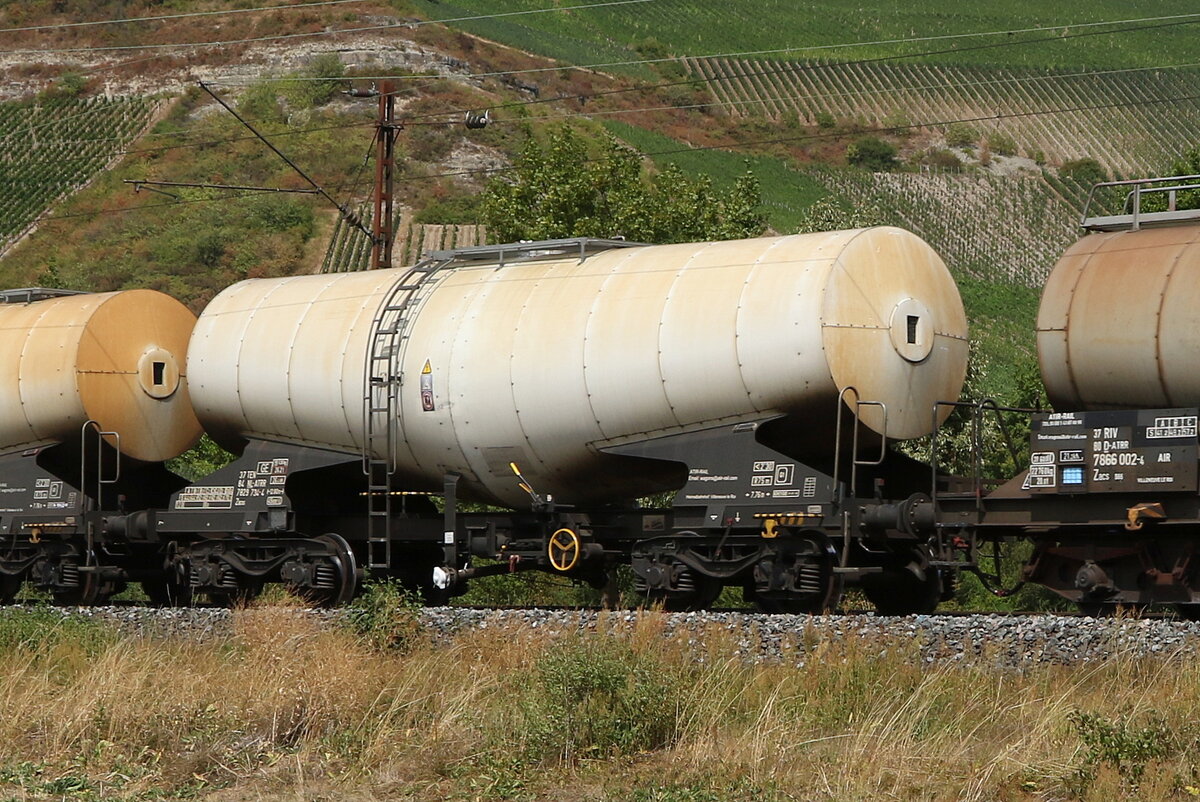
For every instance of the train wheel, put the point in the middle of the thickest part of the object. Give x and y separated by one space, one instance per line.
1188 612
905 588
695 592
10 586
89 591
166 592
798 581
344 577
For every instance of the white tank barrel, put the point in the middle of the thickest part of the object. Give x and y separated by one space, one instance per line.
545 361
116 358
1119 321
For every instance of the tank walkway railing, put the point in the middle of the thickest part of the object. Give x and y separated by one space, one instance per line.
980 410
1163 194
501 255
28 295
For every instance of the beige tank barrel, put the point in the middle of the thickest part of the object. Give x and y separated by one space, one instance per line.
544 362
1119 321
116 358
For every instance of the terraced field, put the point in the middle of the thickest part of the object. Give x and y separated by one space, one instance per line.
1134 121
706 27
1002 229
50 147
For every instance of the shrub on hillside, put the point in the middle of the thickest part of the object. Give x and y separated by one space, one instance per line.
941 159
1002 144
1085 171
961 135
315 84
824 120
871 153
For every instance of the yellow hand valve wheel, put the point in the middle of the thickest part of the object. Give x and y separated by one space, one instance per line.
564 550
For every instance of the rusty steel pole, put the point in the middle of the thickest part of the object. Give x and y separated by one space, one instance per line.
385 145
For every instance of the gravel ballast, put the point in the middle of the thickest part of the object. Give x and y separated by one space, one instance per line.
1010 640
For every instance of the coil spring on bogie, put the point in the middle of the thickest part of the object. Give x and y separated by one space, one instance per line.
69 575
227 578
685 582
808 578
324 576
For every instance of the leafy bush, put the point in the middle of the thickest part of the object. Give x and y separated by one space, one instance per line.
1123 746
651 48
598 697
558 189
200 460
386 616
260 103
1187 164
941 159
961 135
1002 144
316 83
1085 171
832 214
871 153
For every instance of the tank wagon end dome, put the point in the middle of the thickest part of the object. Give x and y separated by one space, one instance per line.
894 328
115 358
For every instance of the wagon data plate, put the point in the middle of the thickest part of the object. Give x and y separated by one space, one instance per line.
1120 451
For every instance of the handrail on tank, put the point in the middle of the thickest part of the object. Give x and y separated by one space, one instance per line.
978 409
839 494
1133 199
837 445
101 479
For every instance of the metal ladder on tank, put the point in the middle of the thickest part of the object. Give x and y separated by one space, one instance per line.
381 396
382 379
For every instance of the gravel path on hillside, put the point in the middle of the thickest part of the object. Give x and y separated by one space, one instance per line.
1008 640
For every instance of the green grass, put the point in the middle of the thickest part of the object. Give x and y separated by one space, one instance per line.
786 192
703 27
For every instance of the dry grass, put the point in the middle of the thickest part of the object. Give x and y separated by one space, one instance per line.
290 709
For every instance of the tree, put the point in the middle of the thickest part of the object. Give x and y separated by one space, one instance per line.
872 153
1186 164
832 214
558 190
1085 171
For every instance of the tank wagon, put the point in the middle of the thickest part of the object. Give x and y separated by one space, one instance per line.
1111 497
94 392
514 402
